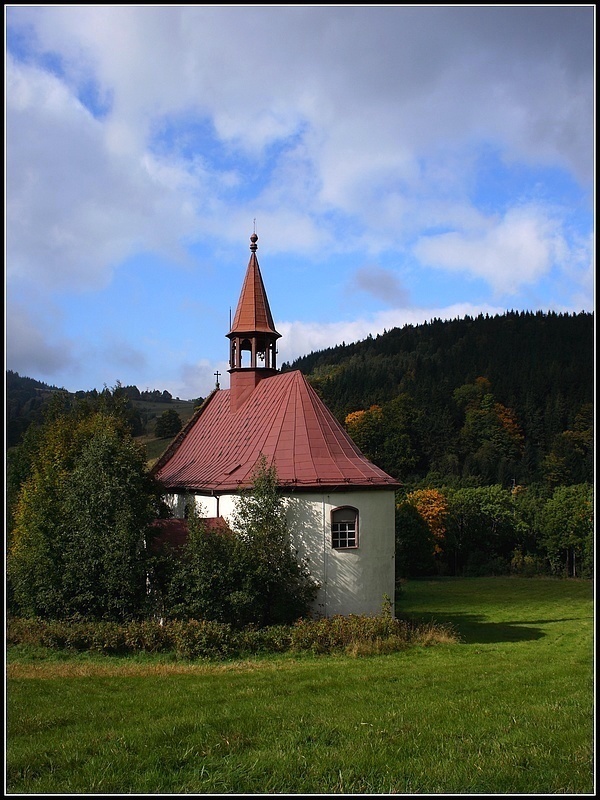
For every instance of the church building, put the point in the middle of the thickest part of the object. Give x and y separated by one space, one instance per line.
340 506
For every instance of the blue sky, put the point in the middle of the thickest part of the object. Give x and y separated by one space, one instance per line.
402 163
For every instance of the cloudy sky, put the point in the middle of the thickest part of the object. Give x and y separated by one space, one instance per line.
401 163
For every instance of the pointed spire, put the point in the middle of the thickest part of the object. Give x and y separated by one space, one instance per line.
253 314
252 338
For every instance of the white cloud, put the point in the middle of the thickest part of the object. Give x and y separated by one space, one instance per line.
366 93
74 209
346 130
509 252
378 85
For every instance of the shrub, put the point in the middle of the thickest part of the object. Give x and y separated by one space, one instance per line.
361 635
527 564
147 636
246 576
200 639
480 564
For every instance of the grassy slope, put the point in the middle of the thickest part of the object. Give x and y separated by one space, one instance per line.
156 447
509 710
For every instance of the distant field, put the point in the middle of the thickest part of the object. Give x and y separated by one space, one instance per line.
508 710
185 408
156 447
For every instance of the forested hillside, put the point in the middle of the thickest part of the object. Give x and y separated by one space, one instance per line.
26 399
487 423
479 400
471 401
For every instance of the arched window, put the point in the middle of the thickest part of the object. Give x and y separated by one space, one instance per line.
344 527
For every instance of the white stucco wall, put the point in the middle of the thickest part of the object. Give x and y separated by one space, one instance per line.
207 506
353 581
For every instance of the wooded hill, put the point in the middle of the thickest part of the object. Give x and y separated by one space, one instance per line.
472 401
26 398
468 401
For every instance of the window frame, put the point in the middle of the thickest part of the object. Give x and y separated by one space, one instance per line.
339 534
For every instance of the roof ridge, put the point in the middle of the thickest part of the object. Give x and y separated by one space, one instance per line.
174 445
286 403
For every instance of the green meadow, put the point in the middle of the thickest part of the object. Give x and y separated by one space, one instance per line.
508 709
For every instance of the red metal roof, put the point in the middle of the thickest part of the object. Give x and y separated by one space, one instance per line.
283 419
253 314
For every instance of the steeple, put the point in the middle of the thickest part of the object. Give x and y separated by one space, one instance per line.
253 338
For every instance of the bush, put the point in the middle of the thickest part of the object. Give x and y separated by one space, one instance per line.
199 639
527 565
147 636
481 564
362 635
246 576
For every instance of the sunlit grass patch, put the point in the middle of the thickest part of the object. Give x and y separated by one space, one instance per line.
507 709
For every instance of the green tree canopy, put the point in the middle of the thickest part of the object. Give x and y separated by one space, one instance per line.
482 527
249 575
568 530
168 424
80 519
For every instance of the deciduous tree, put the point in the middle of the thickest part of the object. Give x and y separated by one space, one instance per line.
432 505
80 518
568 530
278 587
414 543
482 527
247 575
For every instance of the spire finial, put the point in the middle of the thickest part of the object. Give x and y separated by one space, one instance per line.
254 239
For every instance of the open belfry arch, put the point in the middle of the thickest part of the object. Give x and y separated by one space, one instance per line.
340 506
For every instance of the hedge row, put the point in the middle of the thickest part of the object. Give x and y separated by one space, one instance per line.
194 639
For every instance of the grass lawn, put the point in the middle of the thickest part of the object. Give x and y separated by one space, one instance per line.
508 710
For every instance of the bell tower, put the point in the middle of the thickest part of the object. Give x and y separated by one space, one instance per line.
253 338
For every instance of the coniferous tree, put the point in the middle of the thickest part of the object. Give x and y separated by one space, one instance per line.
168 424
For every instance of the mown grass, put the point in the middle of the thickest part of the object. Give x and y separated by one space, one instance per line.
508 710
